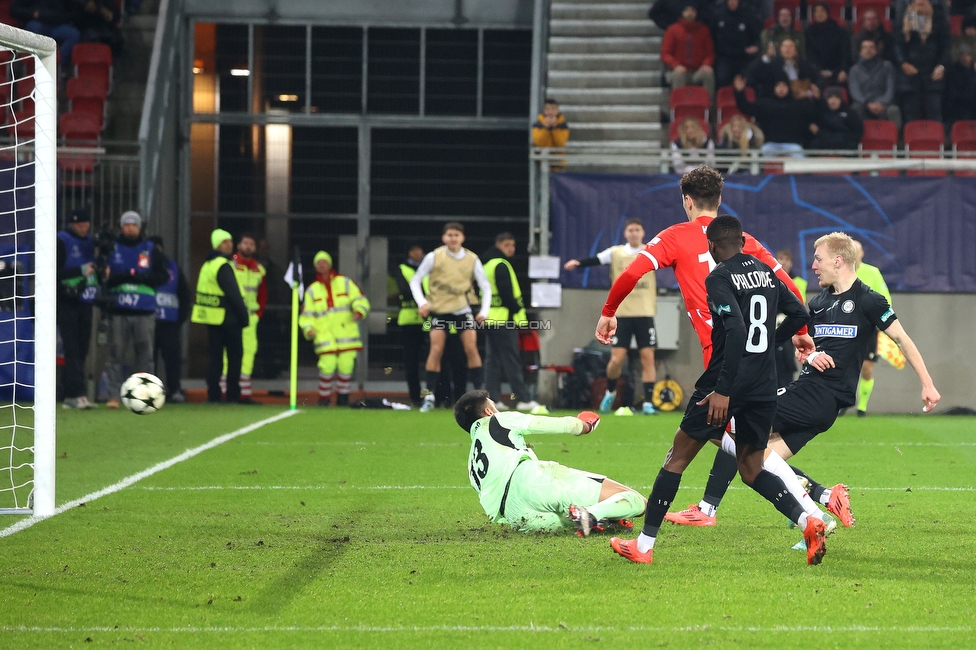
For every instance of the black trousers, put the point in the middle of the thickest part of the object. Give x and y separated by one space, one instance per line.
220 338
75 325
412 342
168 348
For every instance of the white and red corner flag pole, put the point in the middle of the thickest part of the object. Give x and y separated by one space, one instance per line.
293 276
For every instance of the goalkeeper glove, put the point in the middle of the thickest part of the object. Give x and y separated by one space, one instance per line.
590 421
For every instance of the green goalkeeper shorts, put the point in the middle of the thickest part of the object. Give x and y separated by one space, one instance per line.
541 492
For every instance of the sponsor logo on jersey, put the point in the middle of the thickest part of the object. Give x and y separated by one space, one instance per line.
888 314
847 307
836 331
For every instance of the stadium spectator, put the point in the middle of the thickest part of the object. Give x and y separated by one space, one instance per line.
54 18
334 305
800 75
922 49
77 288
98 22
873 30
410 323
451 268
220 306
735 33
665 13
837 127
828 47
636 314
967 38
550 129
781 30
785 120
135 270
530 495
899 7
251 279
692 147
872 86
738 382
740 135
173 305
507 313
687 51
960 92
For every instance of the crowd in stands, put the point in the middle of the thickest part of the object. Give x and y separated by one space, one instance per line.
70 22
810 75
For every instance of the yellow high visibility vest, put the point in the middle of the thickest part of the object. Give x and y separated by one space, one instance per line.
408 306
497 313
209 308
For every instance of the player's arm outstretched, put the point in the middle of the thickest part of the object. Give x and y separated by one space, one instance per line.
583 423
606 327
930 395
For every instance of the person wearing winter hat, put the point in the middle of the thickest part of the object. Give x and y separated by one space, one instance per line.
77 288
330 317
135 269
220 306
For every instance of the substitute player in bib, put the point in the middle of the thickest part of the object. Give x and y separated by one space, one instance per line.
528 494
871 276
635 315
451 269
744 298
844 316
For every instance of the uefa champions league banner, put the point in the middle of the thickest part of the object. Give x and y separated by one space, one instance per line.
921 232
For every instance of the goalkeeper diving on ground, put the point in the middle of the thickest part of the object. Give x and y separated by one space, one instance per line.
531 495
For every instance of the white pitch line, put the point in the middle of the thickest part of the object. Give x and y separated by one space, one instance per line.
561 628
138 476
339 488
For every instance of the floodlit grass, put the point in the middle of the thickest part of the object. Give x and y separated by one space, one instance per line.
337 528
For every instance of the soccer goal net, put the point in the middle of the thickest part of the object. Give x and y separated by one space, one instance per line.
28 271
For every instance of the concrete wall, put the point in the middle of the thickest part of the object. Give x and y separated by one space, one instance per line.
938 323
460 13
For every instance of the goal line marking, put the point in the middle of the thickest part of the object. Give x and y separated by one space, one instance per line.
138 476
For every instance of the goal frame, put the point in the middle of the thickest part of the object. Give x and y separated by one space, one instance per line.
45 260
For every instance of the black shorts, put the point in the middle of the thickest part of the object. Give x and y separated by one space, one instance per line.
805 409
459 321
871 350
639 327
752 421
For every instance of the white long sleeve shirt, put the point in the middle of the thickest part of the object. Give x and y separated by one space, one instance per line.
416 286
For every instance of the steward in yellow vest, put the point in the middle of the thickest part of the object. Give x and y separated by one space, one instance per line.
330 317
251 279
221 308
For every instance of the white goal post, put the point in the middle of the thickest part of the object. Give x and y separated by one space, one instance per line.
38 150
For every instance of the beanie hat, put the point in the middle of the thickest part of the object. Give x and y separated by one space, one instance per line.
79 215
130 216
322 255
218 237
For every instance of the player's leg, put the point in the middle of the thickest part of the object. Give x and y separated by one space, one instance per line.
614 369
493 364
865 387
476 375
646 337
327 367
438 335
345 364
617 505
724 469
235 351
249 339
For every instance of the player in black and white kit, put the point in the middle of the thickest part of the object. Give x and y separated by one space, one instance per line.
843 316
744 297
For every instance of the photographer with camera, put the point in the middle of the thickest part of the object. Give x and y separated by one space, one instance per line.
77 288
135 269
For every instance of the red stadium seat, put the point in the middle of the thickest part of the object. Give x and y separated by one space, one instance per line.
78 130
90 58
927 136
725 105
955 25
23 110
858 7
87 96
881 135
689 101
963 138
792 5
673 130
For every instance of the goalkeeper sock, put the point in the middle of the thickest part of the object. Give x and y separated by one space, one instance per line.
622 505
864 390
433 378
662 496
477 377
724 469
772 488
817 491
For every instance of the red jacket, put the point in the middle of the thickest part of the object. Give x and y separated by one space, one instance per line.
687 44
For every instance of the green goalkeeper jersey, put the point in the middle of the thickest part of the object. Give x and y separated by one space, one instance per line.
871 276
498 446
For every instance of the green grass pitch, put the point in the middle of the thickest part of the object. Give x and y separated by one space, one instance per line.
338 528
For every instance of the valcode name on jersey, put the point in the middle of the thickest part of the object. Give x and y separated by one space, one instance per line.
836 331
752 280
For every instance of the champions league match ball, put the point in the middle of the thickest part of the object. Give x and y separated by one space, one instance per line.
143 393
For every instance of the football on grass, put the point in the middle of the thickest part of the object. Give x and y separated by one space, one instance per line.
143 393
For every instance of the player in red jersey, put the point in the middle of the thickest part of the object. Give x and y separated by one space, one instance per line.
684 247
